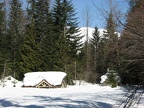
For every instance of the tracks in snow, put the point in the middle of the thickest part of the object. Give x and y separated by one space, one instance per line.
131 98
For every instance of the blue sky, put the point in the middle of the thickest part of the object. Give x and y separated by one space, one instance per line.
95 16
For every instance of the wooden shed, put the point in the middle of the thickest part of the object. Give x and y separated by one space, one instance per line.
49 79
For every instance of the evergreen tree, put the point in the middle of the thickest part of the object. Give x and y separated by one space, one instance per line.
66 32
60 40
71 28
15 32
29 56
31 52
112 78
48 45
94 54
2 58
39 10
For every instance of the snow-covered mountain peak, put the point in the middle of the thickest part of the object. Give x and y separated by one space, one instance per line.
90 30
83 31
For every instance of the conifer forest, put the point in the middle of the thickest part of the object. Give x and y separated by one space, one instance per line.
45 36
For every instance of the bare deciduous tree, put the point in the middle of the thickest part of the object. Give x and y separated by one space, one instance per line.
87 19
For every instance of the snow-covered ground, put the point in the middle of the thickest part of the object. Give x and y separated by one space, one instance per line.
78 96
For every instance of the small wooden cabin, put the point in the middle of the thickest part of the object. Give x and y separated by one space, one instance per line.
50 79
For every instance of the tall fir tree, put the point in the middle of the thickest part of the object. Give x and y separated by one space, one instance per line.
44 34
94 54
66 34
15 32
2 47
29 56
41 12
60 40
30 51
71 29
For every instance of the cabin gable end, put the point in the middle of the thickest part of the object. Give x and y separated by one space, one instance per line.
44 84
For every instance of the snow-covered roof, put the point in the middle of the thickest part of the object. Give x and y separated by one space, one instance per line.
52 77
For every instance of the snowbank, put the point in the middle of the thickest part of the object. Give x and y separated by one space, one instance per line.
9 81
52 77
103 78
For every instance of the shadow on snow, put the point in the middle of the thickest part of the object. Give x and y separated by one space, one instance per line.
5 103
56 102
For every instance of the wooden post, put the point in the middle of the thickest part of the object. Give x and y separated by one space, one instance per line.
75 72
4 74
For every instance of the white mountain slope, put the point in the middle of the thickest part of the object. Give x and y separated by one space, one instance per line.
83 31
